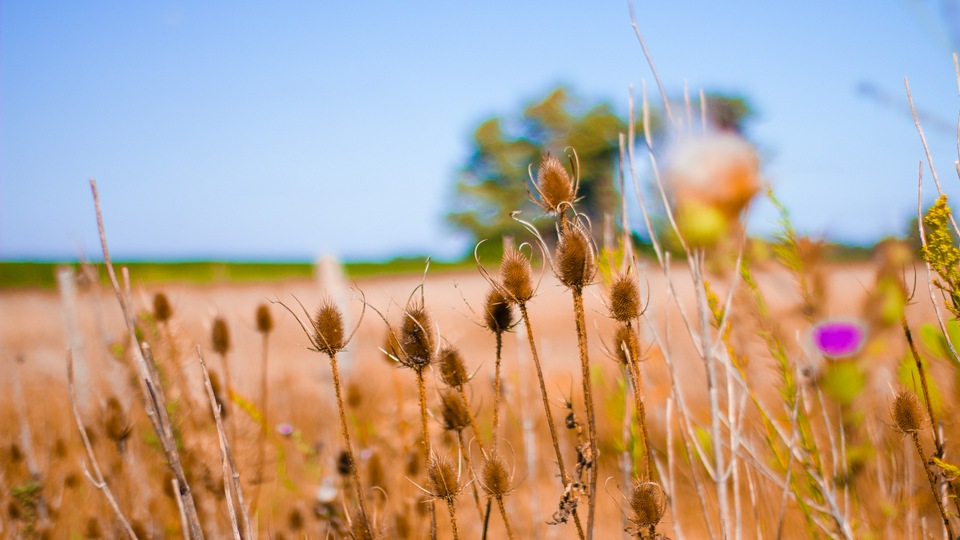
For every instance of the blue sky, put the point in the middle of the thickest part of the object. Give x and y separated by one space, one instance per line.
291 129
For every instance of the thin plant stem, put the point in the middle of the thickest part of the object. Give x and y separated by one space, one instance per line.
354 468
588 405
264 422
933 483
506 520
633 368
564 477
425 438
453 518
496 394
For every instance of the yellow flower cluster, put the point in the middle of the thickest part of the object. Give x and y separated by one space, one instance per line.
941 253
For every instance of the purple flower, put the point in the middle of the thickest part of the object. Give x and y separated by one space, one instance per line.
838 338
285 429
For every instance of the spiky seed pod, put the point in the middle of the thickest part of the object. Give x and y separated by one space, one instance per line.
907 413
417 337
627 347
554 184
453 372
497 313
344 463
218 393
494 478
161 307
453 413
328 333
625 298
575 260
516 276
444 483
220 336
648 503
264 319
116 424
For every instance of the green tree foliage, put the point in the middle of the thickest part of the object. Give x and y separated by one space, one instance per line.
494 181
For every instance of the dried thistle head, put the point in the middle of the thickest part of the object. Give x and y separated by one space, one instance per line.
516 277
375 471
648 503
161 307
498 312
453 413
494 478
220 336
354 395
444 479
116 423
554 184
218 393
625 303
417 336
328 334
626 344
264 319
344 463
453 372
576 262
907 412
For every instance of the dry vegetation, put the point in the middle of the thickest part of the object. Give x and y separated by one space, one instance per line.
568 390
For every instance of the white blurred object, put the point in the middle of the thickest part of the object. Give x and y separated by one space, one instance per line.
721 170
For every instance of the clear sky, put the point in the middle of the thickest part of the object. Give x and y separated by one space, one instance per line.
292 129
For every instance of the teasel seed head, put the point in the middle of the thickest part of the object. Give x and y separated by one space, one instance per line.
444 483
625 304
344 463
648 503
494 478
161 307
116 424
575 261
354 395
264 319
627 346
498 313
453 372
554 184
453 413
220 336
907 412
218 393
328 333
516 276
417 336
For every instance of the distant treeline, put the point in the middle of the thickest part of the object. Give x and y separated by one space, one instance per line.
18 274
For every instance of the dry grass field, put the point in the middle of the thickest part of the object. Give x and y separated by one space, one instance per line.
296 490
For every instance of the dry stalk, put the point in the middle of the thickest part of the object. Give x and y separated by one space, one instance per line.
231 477
150 386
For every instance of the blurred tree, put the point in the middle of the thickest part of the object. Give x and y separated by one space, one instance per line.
494 181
